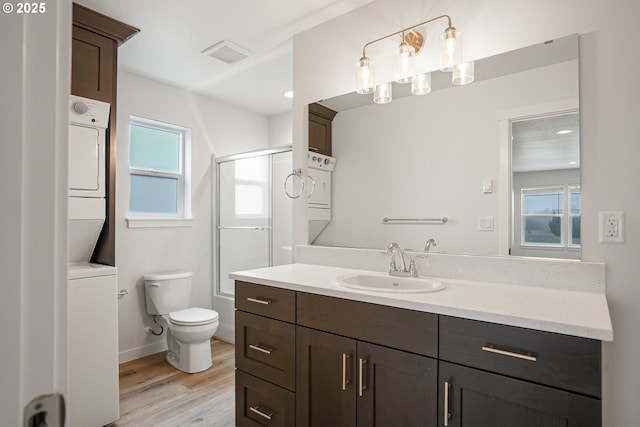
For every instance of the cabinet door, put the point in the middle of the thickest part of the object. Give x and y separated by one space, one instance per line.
93 369
395 388
93 65
475 398
325 384
319 134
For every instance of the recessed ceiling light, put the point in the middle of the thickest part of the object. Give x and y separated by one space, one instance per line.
573 163
288 94
564 131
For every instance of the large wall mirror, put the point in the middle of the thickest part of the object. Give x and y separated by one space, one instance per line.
499 158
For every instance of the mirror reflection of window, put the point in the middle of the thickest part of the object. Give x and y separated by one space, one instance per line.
546 173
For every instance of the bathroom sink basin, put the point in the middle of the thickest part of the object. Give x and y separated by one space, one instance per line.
383 283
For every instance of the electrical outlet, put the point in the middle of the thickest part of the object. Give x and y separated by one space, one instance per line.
611 227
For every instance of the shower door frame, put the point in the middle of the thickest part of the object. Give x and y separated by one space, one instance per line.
224 302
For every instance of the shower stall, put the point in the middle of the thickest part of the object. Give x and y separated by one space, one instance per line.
253 221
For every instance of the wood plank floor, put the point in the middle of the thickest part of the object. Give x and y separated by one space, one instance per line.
154 393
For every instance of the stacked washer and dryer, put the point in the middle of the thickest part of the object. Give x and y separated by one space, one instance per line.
92 288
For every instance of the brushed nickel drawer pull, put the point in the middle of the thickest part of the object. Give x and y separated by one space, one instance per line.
447 414
345 381
527 356
257 347
259 301
361 386
256 409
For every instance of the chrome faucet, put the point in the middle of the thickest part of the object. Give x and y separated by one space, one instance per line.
430 242
403 271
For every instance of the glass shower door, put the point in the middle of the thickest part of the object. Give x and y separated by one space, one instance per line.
244 215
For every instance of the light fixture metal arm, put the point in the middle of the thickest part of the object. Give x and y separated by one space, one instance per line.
401 32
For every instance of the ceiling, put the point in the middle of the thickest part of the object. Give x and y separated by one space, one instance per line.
173 34
537 145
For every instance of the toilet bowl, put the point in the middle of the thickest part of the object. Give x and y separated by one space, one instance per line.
189 329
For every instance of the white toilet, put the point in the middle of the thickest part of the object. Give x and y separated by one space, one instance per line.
189 330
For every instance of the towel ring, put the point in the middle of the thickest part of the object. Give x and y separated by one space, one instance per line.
298 173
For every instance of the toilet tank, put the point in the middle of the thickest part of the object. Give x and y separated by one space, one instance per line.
167 292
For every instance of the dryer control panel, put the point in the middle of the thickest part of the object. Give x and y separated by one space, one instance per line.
88 112
320 161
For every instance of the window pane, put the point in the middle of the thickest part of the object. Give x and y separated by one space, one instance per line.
575 230
542 202
153 194
543 230
154 149
250 200
575 200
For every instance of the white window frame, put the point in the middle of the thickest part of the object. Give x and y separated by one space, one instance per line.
523 220
182 218
572 188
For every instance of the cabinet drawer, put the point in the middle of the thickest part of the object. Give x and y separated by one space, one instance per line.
259 403
567 362
266 348
409 330
266 301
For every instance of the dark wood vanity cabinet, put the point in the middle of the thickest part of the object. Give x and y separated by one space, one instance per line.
475 398
265 355
350 363
320 118
502 376
346 382
347 377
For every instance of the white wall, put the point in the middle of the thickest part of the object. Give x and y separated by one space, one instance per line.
280 132
324 59
217 129
422 164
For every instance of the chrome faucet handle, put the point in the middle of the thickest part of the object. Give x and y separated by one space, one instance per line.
413 272
392 263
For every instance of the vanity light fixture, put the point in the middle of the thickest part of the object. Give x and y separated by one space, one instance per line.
411 43
463 73
382 93
421 84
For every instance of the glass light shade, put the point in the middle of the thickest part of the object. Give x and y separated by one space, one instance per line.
421 84
382 94
450 49
364 76
404 62
463 73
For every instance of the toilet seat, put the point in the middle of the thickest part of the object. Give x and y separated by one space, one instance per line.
194 316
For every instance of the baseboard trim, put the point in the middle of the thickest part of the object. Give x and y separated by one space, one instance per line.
226 333
145 350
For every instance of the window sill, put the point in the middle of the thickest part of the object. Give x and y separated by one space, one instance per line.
159 222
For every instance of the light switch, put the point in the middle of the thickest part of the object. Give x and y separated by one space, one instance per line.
485 223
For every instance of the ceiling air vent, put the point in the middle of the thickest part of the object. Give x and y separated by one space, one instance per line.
227 51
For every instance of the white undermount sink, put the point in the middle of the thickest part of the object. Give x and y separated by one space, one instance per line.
381 283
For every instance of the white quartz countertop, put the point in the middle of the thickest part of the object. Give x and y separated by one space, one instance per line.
582 314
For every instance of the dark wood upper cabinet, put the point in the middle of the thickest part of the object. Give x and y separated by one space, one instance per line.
94 70
92 65
320 118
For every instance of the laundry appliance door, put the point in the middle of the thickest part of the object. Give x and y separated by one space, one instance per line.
86 177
